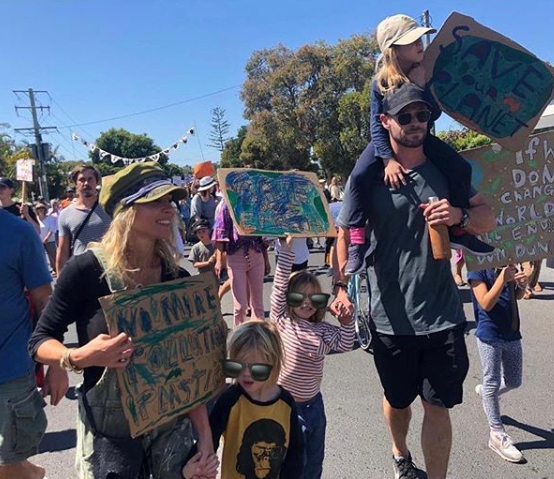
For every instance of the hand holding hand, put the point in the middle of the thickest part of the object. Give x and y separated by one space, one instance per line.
394 174
341 307
201 466
104 351
441 213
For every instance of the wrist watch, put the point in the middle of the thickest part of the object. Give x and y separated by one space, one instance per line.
464 220
340 284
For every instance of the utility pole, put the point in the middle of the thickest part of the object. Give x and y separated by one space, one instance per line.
426 21
36 132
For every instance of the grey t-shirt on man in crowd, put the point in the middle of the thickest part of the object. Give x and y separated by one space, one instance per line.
70 220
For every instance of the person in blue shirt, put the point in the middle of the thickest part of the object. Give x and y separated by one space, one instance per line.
22 418
495 293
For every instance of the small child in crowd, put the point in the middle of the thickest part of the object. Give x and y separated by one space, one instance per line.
400 41
257 418
202 254
298 308
495 293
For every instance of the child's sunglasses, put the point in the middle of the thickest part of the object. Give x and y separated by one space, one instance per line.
423 116
318 300
258 371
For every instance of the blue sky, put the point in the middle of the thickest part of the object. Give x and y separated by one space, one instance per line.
105 58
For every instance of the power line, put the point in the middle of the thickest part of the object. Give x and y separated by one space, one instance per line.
143 112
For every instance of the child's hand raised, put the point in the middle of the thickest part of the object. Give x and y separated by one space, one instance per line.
394 173
286 242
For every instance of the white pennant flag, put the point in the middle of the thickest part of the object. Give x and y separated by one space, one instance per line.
74 137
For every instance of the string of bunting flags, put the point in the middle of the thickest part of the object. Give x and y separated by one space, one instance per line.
127 161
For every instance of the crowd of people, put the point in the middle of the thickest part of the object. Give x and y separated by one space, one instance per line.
133 232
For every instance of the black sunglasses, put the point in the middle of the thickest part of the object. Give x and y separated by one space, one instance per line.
423 116
318 300
258 371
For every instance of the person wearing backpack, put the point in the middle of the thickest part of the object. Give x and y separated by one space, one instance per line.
82 221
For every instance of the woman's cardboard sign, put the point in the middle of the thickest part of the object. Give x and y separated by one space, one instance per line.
488 82
179 337
520 190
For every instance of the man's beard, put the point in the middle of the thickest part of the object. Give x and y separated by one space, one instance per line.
87 193
408 141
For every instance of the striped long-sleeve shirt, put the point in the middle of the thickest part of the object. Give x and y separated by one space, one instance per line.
305 343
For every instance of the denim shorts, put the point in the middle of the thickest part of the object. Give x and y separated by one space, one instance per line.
22 419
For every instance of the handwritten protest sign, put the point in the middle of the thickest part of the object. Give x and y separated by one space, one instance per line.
488 82
179 337
520 189
274 203
24 170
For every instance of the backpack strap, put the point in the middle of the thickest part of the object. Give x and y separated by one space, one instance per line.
114 281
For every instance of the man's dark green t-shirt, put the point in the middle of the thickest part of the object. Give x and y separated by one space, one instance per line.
411 293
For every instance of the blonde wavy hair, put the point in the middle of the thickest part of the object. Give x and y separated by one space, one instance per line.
115 246
261 336
389 74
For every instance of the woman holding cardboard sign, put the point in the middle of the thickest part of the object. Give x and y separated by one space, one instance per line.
138 249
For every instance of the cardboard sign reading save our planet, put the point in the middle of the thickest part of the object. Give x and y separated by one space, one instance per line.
520 190
179 341
487 82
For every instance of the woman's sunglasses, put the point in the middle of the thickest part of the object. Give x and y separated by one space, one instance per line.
258 371
423 116
318 300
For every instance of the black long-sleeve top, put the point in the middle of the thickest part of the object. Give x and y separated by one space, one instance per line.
75 300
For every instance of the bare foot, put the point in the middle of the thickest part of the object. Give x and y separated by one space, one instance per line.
537 288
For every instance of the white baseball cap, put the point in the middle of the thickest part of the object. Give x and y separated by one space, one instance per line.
399 30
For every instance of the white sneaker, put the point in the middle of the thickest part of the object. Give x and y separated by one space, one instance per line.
503 446
478 389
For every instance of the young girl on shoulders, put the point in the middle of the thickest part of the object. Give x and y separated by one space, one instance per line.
400 40
257 418
298 308
495 293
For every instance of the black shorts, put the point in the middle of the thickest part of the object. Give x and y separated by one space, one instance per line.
432 366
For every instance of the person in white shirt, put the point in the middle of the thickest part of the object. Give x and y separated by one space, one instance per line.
48 227
299 248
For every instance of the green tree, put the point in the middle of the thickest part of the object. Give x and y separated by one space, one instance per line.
124 144
230 156
309 105
464 139
220 129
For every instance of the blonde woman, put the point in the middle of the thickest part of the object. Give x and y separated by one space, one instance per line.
138 249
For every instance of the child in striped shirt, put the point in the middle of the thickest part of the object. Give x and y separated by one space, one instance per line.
298 308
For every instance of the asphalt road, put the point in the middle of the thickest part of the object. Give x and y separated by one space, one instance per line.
357 441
